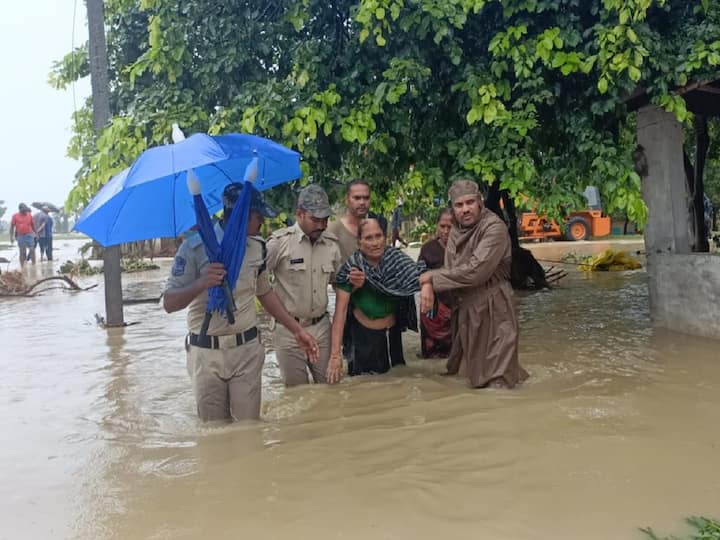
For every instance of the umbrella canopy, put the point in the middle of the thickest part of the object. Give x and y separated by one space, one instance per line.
150 199
40 205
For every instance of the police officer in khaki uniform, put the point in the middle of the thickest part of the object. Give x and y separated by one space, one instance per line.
226 364
303 258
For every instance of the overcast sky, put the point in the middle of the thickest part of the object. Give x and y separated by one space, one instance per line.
35 118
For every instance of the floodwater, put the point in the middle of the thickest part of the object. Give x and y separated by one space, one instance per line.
617 428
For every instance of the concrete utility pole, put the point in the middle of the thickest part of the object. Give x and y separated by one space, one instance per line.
100 85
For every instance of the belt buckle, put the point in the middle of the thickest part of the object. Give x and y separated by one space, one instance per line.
227 342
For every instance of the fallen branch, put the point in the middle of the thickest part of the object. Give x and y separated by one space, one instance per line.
7 288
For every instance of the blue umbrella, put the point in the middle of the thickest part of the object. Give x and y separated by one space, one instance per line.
230 252
150 199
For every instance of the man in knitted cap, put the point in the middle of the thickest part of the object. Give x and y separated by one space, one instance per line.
477 273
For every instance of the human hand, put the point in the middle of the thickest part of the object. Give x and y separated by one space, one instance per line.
427 298
215 275
357 278
308 344
334 370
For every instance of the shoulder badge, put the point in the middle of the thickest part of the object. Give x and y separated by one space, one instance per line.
178 268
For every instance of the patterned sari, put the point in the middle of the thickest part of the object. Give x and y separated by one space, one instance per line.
435 335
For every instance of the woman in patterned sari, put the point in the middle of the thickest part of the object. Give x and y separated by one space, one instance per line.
435 336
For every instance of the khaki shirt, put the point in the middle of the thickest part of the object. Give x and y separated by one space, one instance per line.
191 262
347 240
303 270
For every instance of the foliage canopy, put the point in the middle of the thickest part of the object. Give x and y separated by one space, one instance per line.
409 94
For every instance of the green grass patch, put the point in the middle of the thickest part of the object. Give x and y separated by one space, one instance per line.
703 529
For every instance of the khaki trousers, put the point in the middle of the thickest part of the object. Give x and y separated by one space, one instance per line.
227 382
292 360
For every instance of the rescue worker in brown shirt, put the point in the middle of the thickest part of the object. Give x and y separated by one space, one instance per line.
303 259
226 364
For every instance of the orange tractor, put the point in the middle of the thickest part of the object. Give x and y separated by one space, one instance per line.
579 225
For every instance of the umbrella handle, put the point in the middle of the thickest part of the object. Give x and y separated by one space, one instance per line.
229 302
206 323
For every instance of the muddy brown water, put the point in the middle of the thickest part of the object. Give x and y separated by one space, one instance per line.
617 428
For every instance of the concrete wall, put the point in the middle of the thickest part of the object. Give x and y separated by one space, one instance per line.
685 292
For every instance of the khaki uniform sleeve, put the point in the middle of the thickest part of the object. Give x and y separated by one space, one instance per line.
262 282
483 263
184 269
262 285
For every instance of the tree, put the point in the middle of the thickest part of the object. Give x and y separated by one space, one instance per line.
3 224
407 93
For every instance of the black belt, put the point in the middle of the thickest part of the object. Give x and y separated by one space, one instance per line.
314 320
213 342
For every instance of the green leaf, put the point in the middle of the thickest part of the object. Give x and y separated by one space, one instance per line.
602 85
634 73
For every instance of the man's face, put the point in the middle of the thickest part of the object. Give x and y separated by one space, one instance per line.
358 200
467 210
255 221
443 228
313 227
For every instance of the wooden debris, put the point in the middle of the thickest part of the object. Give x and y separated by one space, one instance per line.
15 284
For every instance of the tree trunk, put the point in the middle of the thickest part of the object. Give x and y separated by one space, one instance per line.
702 144
99 81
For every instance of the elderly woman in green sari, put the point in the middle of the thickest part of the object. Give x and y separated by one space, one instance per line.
384 302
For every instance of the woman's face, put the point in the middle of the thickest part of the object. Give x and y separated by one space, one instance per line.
443 227
372 240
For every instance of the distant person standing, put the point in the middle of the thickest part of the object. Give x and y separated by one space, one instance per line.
46 238
22 229
396 223
41 222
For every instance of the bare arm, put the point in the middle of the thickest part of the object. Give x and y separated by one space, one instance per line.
275 308
12 233
334 370
342 301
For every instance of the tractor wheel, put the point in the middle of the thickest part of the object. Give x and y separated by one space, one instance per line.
577 228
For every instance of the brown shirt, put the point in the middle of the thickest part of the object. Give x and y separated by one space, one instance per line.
475 258
303 270
484 324
347 240
191 262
